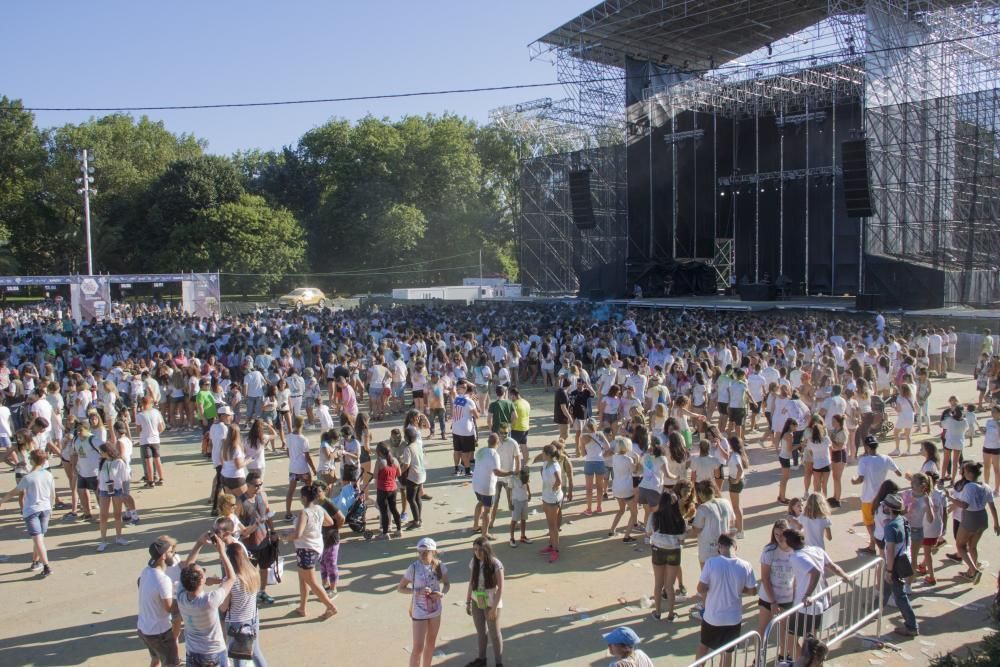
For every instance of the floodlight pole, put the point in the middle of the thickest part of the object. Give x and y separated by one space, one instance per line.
86 190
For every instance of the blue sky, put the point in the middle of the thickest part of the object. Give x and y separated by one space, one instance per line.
122 53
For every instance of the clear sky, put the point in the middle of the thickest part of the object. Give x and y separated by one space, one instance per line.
136 53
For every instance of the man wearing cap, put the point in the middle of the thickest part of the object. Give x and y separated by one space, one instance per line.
897 563
157 603
872 471
724 580
622 644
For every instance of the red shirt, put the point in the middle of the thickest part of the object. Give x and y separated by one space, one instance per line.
387 478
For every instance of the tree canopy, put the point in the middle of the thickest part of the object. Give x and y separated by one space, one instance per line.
422 193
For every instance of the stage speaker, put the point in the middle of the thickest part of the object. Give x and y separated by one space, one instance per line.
579 197
857 192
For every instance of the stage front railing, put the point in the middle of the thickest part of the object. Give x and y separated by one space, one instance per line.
741 652
854 603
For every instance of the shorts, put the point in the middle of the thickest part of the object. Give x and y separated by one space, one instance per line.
991 451
418 393
868 514
306 559
162 647
578 425
805 624
666 556
593 467
86 483
797 437
735 487
150 451
37 523
520 437
755 409
609 419
916 534
822 469
349 473
485 501
838 456
465 444
296 477
785 463
113 493
397 389
649 497
501 485
635 482
520 511
764 604
717 636
737 415
723 409
233 482
930 541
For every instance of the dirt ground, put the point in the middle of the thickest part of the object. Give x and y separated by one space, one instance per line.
85 613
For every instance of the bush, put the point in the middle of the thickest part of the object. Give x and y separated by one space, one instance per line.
986 654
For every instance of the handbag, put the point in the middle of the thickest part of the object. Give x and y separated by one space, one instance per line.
241 641
276 572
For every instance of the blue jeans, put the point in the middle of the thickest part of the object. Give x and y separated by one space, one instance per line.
902 601
258 657
254 404
219 659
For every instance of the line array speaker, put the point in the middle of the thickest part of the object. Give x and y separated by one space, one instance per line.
857 190
579 196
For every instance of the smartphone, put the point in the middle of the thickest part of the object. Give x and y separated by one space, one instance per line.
270 515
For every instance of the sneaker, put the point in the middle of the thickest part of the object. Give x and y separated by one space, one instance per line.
288 517
696 613
35 566
681 592
458 472
930 581
122 542
135 519
468 472
101 547
553 555
587 513
266 599
628 539
72 516
905 631
513 543
404 516
739 535
46 571
954 557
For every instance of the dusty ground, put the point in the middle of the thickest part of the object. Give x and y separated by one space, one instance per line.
553 615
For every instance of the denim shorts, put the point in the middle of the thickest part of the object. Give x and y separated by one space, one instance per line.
593 467
37 523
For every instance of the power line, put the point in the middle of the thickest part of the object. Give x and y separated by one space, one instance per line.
520 86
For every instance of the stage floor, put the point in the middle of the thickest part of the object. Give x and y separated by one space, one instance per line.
834 303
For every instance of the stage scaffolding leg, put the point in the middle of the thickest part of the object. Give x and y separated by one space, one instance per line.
673 182
756 194
715 174
781 202
694 217
650 254
805 279
833 199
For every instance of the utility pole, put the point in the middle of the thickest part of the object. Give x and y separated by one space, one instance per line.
86 190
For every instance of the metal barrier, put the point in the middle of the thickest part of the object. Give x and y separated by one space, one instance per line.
853 603
741 652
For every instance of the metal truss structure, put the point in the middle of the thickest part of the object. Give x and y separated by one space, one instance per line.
927 74
724 263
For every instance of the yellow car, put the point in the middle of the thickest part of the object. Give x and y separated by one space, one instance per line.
303 296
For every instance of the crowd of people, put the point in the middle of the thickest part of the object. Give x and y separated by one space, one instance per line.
652 410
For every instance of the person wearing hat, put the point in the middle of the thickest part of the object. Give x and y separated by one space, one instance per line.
622 644
898 567
426 580
157 602
873 468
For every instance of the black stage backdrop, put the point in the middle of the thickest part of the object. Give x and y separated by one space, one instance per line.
706 211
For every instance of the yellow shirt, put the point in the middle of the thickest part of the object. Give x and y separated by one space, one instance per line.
523 421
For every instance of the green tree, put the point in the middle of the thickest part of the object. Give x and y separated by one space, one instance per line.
22 165
241 237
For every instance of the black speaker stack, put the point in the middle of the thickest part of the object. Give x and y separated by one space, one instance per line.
579 196
857 192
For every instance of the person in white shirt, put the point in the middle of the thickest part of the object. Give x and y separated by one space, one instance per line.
810 565
204 640
151 425
157 601
300 464
622 644
38 489
511 461
253 389
464 414
872 471
724 580
484 483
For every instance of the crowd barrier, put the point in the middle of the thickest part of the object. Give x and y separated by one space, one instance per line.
853 603
741 652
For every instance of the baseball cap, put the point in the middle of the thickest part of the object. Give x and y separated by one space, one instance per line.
893 502
623 635
224 410
871 441
159 547
320 484
427 544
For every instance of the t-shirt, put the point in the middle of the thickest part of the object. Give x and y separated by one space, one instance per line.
149 422
484 478
704 468
501 412
39 491
637 659
562 398
202 625
491 593
713 519
413 456
874 469
298 447
254 382
88 455
206 400
217 435
977 495
154 587
463 423
805 561
580 399
509 452
782 577
726 578
422 578
815 530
